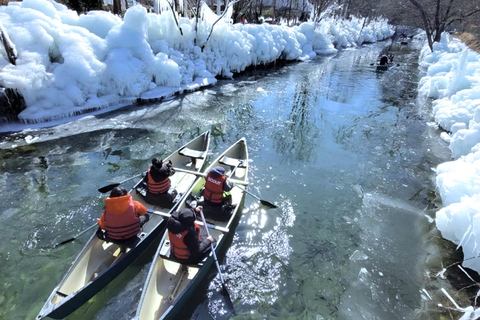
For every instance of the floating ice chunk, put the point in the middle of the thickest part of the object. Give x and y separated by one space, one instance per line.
29 139
358 255
363 274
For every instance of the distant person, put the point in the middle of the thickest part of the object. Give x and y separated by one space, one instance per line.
384 60
122 218
217 200
157 180
244 20
186 244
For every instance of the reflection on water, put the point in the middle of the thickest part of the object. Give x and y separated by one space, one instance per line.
342 150
296 139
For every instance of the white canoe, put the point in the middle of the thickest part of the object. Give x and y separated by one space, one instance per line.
100 262
169 284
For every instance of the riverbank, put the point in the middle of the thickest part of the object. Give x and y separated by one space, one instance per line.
472 41
451 81
79 64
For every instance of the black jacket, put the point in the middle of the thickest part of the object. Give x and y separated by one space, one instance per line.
185 220
160 173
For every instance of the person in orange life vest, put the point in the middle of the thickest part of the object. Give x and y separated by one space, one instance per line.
217 200
159 191
186 244
216 185
122 218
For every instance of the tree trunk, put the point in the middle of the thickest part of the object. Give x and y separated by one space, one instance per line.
274 16
289 12
11 104
425 23
345 14
9 49
197 15
117 7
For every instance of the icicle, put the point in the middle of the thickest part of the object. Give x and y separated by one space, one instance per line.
450 298
428 295
464 235
160 6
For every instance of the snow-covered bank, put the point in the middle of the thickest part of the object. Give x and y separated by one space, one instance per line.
453 81
69 64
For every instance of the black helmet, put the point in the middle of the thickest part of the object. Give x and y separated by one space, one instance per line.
118 192
186 217
156 162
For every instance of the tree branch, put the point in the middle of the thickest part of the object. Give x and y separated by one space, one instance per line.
9 48
219 18
428 29
174 15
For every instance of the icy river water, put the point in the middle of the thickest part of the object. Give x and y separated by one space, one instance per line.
344 151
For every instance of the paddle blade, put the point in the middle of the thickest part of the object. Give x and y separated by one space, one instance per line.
108 188
268 204
229 300
63 242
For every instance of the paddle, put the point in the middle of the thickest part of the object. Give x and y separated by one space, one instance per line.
264 202
113 185
236 182
218 266
96 224
201 174
233 171
74 237
167 215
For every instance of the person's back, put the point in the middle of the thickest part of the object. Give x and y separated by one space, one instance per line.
159 191
216 185
217 199
383 60
122 218
186 244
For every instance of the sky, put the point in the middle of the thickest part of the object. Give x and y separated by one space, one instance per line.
69 64
452 80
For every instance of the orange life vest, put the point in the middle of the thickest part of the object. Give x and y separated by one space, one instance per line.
178 247
122 226
157 187
214 189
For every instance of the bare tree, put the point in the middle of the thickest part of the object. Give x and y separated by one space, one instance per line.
8 45
320 7
227 6
173 6
433 16
117 7
241 8
196 6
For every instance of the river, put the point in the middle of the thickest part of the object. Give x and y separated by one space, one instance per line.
344 151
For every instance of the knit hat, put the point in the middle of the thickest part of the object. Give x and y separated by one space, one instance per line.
186 217
217 172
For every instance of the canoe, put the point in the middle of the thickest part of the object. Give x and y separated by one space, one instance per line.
169 284
383 67
99 262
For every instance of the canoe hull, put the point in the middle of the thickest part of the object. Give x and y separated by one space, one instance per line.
100 262
169 285
103 279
